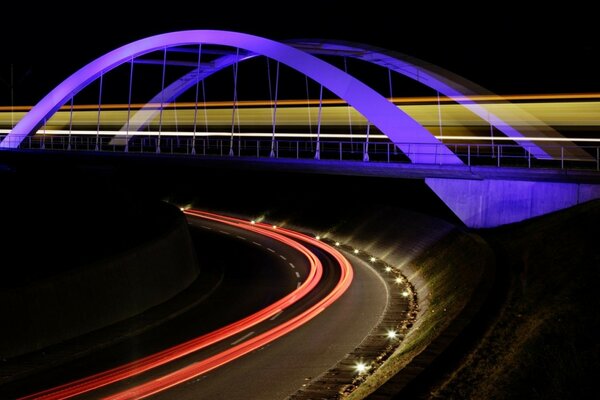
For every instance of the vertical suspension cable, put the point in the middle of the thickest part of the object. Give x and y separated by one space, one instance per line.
318 151
390 83
175 116
129 106
237 109
234 104
272 153
491 134
348 107
274 115
308 109
196 98
366 150
70 124
440 115
439 122
99 109
43 146
162 99
204 105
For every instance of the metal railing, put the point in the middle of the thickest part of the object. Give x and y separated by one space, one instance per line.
472 154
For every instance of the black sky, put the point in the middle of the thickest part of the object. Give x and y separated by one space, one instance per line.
501 46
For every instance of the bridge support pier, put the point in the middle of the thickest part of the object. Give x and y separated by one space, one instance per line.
488 203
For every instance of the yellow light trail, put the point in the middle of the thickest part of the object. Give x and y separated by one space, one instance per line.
583 113
294 102
574 113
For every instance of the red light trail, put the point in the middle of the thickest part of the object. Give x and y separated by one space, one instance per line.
285 236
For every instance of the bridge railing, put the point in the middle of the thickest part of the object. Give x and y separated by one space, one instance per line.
472 154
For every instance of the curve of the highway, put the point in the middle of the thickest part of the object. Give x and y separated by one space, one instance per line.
312 329
277 370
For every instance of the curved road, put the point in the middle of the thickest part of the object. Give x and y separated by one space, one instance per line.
275 370
284 366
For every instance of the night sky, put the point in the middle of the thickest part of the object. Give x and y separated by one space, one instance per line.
498 45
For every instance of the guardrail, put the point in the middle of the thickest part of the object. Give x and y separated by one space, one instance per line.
472 154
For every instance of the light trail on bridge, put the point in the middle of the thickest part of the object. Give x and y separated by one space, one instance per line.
567 110
297 135
288 237
296 102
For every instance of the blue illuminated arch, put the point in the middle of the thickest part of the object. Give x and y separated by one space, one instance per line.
421 146
453 86
514 122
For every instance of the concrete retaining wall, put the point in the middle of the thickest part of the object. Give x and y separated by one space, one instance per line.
493 202
50 311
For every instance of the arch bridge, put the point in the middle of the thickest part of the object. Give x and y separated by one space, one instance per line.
478 201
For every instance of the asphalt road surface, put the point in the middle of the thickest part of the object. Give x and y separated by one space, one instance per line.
256 271
280 368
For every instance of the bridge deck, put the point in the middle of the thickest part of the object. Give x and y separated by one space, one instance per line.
331 167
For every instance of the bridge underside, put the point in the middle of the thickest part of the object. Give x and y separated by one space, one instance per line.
488 203
480 196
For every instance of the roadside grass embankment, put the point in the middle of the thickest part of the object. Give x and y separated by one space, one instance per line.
544 343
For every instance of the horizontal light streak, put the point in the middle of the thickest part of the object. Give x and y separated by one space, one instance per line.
259 135
518 139
296 102
557 114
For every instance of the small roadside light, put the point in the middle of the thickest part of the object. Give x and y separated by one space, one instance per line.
356 251
373 259
318 237
253 222
398 280
361 367
392 334
274 226
337 244
405 293
388 269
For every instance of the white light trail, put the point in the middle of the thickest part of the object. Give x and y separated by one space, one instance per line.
298 135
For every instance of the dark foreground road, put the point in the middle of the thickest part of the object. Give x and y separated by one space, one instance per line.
282 367
256 271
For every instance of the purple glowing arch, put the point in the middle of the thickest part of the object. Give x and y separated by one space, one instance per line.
394 123
513 122
445 82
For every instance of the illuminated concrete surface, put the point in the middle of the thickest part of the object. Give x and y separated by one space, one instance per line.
493 202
